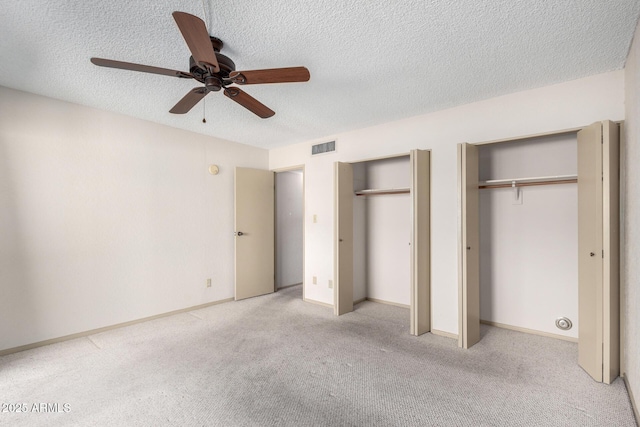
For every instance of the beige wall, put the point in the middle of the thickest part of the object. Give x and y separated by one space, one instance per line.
631 222
566 105
106 219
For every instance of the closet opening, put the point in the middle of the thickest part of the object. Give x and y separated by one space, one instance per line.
289 230
528 223
382 235
538 243
382 231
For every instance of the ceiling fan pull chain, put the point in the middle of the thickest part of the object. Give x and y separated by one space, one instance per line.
204 110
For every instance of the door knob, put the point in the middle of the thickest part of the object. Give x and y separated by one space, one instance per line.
239 233
468 248
592 254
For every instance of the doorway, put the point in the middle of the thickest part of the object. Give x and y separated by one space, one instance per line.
289 228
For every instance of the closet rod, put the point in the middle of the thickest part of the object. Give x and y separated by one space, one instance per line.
527 184
526 181
382 192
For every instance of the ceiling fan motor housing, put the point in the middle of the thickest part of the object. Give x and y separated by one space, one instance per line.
224 62
213 83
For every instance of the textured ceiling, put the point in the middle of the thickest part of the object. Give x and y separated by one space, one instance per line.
370 62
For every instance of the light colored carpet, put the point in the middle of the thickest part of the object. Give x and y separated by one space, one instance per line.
277 361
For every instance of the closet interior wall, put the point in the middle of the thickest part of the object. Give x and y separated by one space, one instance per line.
382 231
529 241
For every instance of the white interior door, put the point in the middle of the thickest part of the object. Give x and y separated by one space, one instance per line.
598 240
343 290
254 232
590 250
420 308
469 246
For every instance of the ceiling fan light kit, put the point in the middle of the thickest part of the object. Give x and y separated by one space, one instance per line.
216 71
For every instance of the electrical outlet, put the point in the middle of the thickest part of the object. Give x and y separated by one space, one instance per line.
330 284
315 218
315 280
208 283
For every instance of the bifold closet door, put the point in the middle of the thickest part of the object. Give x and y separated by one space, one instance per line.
598 312
343 289
611 241
469 247
254 231
420 308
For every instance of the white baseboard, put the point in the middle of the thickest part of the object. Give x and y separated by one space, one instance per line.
528 331
379 301
444 334
106 328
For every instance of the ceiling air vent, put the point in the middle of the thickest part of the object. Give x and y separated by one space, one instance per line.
325 147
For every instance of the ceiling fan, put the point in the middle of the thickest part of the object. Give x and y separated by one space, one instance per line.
217 71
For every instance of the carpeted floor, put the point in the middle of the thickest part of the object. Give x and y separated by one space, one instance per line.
277 361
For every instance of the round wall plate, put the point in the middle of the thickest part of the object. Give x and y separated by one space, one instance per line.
563 323
214 169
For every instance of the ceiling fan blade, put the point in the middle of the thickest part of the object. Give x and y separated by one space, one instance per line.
248 102
197 37
272 75
139 67
189 100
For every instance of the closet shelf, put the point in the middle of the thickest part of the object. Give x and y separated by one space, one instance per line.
379 192
524 182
